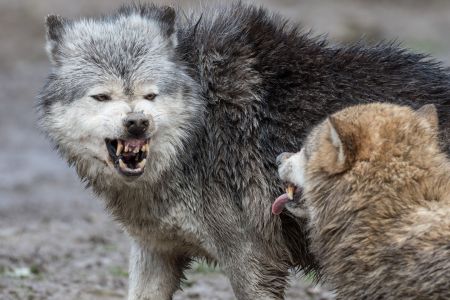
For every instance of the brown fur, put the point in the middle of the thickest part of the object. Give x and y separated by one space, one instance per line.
379 213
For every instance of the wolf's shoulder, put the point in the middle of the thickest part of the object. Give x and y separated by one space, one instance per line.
236 49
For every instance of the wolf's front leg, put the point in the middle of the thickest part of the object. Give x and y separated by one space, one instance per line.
154 275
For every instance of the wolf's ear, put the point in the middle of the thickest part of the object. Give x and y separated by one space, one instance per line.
341 138
429 113
54 30
168 18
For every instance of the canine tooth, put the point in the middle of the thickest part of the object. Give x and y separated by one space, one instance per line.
290 191
122 164
145 148
126 148
142 163
119 148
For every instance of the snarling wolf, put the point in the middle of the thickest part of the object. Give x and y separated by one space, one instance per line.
174 119
376 192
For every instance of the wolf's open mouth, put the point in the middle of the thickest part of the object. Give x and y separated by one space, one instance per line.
291 191
129 156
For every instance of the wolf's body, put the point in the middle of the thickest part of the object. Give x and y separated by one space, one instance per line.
236 87
376 191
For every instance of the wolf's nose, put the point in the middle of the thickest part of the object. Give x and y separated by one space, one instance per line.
136 124
282 157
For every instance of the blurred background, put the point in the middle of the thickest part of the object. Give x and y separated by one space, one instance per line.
56 241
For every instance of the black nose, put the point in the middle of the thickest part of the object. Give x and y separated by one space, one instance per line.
282 157
136 124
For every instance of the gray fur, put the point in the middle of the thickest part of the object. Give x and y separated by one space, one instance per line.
251 86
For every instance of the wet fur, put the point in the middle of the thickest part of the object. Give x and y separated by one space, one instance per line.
378 215
251 85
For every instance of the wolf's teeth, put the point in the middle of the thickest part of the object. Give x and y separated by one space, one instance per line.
145 148
119 148
126 148
142 163
136 150
290 191
122 164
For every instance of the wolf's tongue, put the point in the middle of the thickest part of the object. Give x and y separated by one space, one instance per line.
278 205
132 144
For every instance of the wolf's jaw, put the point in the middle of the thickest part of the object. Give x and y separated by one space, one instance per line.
291 191
128 156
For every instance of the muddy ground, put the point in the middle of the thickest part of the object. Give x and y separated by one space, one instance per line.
56 241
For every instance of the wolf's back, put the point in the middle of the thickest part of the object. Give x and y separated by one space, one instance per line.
260 67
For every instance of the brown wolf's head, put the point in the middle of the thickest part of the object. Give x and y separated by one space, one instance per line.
360 143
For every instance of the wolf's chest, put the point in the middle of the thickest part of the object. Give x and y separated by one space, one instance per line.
160 222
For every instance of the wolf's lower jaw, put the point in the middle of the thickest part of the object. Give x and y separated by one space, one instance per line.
128 156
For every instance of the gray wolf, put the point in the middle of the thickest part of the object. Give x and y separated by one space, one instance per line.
376 193
212 97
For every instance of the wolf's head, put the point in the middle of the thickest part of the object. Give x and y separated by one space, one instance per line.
118 103
359 143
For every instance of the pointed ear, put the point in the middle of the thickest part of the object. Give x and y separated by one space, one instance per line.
168 18
429 113
54 30
340 136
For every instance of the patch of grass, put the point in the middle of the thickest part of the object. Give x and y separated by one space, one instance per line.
3 270
204 268
310 277
20 272
35 269
110 248
118 271
187 283
33 272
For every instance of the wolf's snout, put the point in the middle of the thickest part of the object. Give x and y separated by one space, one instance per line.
129 153
282 157
137 124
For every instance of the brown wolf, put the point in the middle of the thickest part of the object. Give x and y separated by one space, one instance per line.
376 191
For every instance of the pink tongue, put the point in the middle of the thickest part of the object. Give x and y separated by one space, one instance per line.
278 205
134 143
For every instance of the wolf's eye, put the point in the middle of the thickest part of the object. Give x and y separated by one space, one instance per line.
101 97
150 96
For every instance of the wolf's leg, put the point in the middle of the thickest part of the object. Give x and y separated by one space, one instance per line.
154 275
254 276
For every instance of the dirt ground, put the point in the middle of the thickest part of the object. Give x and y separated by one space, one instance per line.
56 240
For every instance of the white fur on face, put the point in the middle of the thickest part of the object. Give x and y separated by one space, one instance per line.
81 127
293 169
168 116
172 118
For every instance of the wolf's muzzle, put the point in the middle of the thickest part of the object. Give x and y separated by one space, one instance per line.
136 124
